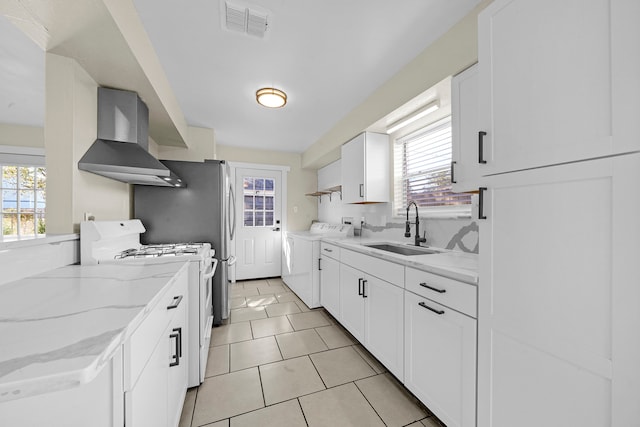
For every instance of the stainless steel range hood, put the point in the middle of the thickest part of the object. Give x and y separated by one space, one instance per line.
121 150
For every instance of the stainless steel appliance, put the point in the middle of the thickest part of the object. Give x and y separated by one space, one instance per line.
103 242
121 150
202 212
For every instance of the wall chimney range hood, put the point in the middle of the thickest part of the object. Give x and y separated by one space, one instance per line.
121 151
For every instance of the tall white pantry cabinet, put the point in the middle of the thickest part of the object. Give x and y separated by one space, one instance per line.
559 295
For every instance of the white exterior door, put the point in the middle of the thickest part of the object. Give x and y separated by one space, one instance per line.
259 234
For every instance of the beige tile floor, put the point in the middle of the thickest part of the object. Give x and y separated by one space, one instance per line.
278 363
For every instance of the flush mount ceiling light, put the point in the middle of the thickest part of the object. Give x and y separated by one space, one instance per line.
271 97
427 109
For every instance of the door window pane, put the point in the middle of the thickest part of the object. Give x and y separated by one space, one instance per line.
259 183
259 203
268 218
259 219
248 183
248 219
268 203
248 203
268 185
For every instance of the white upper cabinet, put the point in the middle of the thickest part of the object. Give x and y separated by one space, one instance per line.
365 169
465 168
558 81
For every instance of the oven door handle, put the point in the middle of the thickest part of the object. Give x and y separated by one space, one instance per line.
210 274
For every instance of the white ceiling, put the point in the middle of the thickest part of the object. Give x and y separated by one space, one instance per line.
21 77
327 55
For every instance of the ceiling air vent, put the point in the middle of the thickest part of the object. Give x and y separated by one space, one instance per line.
245 20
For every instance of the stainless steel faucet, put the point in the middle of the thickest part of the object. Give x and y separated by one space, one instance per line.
407 231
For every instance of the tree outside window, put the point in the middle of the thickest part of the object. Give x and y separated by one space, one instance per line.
23 200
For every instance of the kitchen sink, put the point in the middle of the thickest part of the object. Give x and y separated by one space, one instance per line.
403 249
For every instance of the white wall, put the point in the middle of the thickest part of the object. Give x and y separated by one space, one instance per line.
70 129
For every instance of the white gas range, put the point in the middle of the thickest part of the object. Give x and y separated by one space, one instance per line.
119 241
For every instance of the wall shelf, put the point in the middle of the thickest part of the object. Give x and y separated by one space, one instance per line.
329 191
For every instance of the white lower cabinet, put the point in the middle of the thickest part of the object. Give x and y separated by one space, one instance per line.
383 323
155 363
351 301
440 359
372 310
330 285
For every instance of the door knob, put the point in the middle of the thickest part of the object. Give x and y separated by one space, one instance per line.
275 229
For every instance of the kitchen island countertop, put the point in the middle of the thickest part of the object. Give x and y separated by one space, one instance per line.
60 328
462 266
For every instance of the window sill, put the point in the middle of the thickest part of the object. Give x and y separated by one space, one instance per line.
449 214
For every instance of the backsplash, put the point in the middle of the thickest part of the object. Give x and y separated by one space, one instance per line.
459 234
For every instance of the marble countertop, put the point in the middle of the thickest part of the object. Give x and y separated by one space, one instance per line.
60 328
9 242
457 265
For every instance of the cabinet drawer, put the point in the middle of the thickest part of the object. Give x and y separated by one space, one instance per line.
451 293
385 270
332 251
139 347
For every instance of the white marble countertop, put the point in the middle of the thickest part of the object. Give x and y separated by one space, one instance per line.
60 328
457 265
9 242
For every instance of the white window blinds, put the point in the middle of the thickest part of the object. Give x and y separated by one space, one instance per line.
423 169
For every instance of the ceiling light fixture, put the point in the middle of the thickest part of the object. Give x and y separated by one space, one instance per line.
271 97
427 109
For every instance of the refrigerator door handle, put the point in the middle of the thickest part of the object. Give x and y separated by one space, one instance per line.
232 203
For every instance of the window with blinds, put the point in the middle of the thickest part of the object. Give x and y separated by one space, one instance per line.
423 170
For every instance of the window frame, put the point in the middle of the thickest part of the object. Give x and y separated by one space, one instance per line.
37 216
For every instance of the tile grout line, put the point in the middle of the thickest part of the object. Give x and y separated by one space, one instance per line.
367 400
318 372
302 410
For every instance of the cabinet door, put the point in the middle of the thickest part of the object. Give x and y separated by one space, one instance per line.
352 158
545 81
464 128
440 360
384 323
351 301
330 286
556 309
146 402
177 334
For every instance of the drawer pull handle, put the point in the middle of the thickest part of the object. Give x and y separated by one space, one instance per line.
364 284
423 305
360 287
440 291
175 303
328 250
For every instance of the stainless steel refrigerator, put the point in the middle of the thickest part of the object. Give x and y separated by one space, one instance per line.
204 211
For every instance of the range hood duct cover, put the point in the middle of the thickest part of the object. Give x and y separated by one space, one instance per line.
121 150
